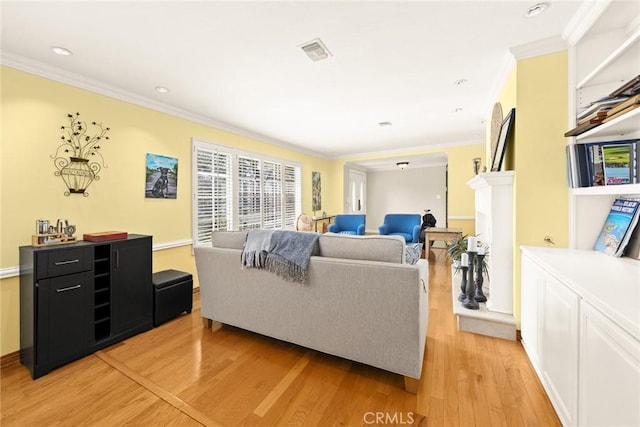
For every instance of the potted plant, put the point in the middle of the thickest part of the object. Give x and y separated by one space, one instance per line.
455 248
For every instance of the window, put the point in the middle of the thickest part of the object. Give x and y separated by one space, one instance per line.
235 190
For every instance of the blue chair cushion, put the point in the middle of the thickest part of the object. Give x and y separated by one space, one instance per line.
405 225
348 224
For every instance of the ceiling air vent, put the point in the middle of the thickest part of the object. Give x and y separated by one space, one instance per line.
316 50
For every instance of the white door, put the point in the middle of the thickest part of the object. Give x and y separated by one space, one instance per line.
356 199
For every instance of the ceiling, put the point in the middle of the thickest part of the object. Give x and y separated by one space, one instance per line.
239 65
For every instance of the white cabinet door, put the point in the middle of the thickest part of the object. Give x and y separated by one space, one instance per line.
532 280
609 372
558 343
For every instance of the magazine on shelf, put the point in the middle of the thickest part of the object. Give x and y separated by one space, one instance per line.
617 162
618 227
587 167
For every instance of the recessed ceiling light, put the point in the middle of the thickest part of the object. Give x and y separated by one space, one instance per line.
458 110
460 82
162 89
536 10
385 124
61 51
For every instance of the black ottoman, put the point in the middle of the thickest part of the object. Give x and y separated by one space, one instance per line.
172 295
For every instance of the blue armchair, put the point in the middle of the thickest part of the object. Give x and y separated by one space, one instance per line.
405 225
348 224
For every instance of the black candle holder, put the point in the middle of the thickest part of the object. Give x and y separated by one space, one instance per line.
480 296
463 283
469 300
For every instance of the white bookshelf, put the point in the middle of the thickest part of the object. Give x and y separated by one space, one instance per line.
576 298
607 56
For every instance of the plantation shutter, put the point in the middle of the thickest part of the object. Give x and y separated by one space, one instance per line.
292 195
213 185
249 193
235 190
272 195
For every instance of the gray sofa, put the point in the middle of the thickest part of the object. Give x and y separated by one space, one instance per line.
360 302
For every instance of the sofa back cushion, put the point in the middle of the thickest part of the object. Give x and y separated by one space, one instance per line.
228 239
401 222
366 248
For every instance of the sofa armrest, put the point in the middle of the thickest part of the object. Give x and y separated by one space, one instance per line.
333 228
416 233
383 229
360 231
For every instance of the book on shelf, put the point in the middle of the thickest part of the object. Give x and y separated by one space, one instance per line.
578 173
618 227
621 113
603 163
597 117
579 129
633 247
601 105
624 105
629 88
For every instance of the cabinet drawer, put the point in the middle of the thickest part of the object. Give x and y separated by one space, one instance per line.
63 261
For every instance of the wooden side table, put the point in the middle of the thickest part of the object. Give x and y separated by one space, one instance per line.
431 234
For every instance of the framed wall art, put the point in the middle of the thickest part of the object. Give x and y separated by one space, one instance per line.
506 133
162 177
316 190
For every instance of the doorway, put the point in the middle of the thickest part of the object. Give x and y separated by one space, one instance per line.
356 197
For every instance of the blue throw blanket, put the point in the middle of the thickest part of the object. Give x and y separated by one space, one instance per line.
286 253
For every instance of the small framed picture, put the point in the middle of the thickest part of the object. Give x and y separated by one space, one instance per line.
162 177
506 131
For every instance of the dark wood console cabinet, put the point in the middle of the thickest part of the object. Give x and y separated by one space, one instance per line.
78 298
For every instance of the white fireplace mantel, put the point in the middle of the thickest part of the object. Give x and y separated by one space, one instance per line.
494 227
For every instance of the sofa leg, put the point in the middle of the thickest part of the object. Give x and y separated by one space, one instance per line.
411 385
211 324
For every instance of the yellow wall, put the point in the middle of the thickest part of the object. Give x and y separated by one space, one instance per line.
537 88
34 109
540 188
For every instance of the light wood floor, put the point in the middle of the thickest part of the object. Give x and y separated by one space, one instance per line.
181 374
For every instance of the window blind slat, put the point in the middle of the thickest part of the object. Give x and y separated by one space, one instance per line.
268 192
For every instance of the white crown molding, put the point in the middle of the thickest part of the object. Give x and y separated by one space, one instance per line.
405 150
507 63
583 19
529 50
538 47
40 69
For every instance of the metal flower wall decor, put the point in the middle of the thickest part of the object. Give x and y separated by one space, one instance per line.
78 158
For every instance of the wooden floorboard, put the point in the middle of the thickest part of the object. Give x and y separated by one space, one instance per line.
182 374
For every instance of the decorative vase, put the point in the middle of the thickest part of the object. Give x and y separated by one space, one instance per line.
476 165
77 175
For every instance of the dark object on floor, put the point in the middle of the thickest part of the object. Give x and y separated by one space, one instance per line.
172 295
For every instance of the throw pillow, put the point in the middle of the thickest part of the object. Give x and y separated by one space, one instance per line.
413 252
